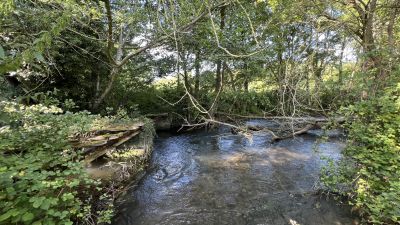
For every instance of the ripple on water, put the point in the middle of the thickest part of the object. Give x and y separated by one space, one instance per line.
206 178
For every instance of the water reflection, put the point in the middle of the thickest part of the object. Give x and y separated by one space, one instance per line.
211 178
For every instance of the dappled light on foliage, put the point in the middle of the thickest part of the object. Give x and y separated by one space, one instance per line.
83 85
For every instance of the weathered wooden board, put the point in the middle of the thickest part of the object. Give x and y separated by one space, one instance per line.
99 142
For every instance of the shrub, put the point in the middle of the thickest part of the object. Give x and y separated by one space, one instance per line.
370 170
41 178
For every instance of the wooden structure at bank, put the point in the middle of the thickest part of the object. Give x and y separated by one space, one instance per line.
116 151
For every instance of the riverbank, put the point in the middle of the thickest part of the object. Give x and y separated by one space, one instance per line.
50 160
117 155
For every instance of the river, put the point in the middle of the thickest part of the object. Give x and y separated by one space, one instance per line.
220 178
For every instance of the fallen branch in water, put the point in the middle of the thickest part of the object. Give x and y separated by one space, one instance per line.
299 132
289 118
292 126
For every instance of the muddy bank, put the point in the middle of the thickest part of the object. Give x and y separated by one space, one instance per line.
220 178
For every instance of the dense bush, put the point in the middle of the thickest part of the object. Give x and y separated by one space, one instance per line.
369 173
41 178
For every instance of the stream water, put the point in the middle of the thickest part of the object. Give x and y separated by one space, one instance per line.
220 178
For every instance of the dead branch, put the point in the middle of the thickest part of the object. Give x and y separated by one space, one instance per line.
290 118
296 133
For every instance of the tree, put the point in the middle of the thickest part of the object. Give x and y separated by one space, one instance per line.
121 57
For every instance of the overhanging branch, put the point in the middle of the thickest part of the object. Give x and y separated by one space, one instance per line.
161 39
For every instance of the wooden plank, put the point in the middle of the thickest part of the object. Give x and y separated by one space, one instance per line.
125 139
98 152
98 140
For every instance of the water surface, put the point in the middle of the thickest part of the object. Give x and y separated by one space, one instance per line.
220 178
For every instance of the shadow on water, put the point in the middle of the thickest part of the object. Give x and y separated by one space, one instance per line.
220 178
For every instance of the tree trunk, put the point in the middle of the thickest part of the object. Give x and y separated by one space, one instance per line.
218 77
219 73
390 29
373 61
246 78
368 29
186 76
97 92
113 72
341 60
232 80
391 45
197 74
366 14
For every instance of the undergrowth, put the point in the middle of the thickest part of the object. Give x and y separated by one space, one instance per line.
42 180
369 172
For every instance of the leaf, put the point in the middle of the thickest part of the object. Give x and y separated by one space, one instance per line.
2 54
39 57
49 222
27 216
38 202
5 216
37 223
45 205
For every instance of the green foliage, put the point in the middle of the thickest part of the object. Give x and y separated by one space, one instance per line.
369 173
41 178
6 91
146 99
34 50
6 7
168 98
51 44
56 52
246 103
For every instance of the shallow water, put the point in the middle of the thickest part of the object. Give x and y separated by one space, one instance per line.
217 178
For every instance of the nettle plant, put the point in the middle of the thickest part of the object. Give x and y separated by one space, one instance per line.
369 172
41 178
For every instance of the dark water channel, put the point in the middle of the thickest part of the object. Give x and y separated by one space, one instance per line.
220 178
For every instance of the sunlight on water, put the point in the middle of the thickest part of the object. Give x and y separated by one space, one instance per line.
211 178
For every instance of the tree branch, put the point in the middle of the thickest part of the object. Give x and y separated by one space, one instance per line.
161 39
